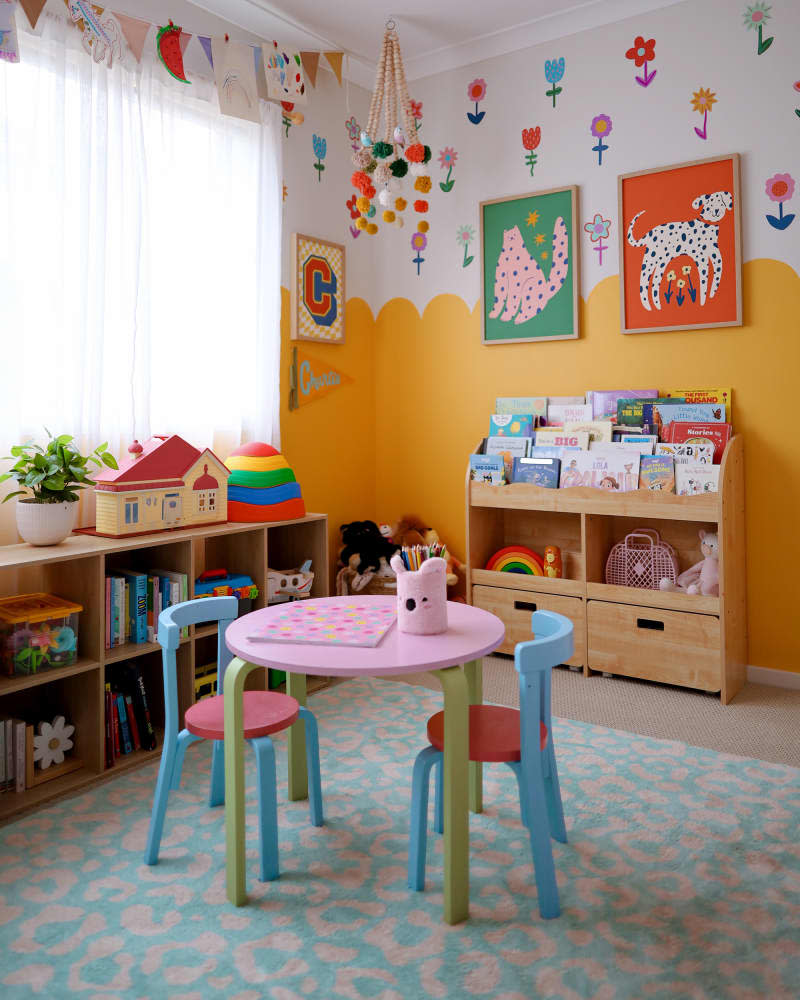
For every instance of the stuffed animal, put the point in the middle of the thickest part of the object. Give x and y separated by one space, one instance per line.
412 530
703 577
363 546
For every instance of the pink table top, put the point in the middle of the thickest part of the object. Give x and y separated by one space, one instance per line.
471 633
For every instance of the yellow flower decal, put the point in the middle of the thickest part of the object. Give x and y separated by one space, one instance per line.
703 100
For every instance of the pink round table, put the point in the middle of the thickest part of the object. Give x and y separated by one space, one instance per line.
471 634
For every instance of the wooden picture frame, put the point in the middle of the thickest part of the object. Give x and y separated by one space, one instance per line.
531 230
318 290
682 206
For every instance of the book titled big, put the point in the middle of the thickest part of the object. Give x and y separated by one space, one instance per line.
717 434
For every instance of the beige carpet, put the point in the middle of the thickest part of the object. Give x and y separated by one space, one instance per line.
762 722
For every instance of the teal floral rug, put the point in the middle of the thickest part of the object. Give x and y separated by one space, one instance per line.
681 879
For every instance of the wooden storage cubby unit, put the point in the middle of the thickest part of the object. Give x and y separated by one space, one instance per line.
76 570
688 640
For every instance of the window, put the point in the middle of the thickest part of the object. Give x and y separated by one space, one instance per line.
212 500
139 253
132 511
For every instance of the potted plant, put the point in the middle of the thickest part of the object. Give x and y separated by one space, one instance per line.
54 475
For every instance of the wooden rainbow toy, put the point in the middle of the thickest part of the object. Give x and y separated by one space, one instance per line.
516 559
262 486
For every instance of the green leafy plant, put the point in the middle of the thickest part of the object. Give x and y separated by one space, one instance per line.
54 474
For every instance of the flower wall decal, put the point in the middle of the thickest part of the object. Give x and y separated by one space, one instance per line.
780 188
703 101
447 160
476 91
796 86
320 151
416 113
756 16
464 236
601 126
418 243
642 52
598 230
531 137
553 73
353 132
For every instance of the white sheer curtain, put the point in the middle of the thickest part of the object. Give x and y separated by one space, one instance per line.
140 235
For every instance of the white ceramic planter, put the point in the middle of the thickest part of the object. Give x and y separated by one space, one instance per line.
46 523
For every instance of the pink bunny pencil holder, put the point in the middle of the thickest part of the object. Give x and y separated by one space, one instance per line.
421 597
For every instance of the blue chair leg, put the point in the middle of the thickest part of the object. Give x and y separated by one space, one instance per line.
438 802
216 791
312 763
185 738
532 787
516 767
552 789
418 834
160 803
267 807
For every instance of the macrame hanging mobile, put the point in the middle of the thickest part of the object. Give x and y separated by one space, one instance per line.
386 157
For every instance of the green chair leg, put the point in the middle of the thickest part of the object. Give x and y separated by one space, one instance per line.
298 767
474 674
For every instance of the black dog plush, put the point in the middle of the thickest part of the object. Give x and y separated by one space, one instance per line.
364 546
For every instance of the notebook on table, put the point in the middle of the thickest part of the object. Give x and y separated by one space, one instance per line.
355 623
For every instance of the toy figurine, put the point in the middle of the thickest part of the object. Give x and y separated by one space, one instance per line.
553 565
703 577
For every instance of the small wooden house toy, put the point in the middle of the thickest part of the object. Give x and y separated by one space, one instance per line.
166 483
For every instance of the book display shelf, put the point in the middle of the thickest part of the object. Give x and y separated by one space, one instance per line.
676 638
76 570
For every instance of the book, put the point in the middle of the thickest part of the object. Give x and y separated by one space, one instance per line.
356 623
8 724
2 755
629 411
137 604
551 451
124 728
171 595
645 442
109 723
599 469
108 613
693 479
19 728
604 403
598 430
642 446
509 448
566 413
560 438
680 431
687 452
511 425
566 400
132 725
152 621
660 414
487 469
115 725
536 406
135 681
657 472
718 397
537 471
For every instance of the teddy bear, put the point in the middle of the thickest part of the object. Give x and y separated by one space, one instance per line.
412 530
364 546
703 577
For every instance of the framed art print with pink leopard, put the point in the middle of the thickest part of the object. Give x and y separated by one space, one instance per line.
530 277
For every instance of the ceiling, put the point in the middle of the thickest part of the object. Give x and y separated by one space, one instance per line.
436 35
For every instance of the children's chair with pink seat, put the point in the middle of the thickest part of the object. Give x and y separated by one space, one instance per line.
265 713
522 739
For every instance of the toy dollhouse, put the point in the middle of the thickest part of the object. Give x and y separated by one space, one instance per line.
166 483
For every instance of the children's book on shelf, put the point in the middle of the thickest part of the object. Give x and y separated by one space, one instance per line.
657 472
604 402
128 722
688 452
537 471
536 406
645 442
487 469
630 411
694 479
566 400
717 397
559 438
550 451
661 414
599 469
598 430
718 435
511 425
134 600
508 448
641 444
561 414
136 608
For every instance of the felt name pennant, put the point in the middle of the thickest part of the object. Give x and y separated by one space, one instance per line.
335 63
311 379
135 32
310 62
33 8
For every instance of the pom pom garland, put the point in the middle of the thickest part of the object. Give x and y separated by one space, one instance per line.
361 158
395 185
384 197
399 221
399 168
370 167
388 215
426 154
361 181
420 205
417 169
381 150
362 204
423 225
400 204
372 228
415 153
422 184
361 222
382 173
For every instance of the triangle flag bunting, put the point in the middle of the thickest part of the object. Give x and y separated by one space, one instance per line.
135 32
185 38
335 63
205 41
33 8
310 64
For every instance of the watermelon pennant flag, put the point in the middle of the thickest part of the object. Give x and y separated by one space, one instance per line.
33 8
206 43
135 32
170 50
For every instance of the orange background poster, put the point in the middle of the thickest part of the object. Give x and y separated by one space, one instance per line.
665 197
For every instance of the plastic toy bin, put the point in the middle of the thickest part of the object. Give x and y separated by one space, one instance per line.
37 632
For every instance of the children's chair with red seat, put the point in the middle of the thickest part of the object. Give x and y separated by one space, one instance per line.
522 739
265 712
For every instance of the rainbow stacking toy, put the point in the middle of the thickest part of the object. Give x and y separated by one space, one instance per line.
517 559
262 486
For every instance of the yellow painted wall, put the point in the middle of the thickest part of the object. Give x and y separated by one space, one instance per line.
330 443
437 385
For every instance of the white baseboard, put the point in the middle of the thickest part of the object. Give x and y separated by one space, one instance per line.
775 678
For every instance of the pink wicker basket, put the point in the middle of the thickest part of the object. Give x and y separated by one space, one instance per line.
642 559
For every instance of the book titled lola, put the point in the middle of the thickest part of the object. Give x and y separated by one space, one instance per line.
601 470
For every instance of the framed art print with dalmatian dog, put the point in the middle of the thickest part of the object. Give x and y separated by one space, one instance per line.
317 290
529 277
680 247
